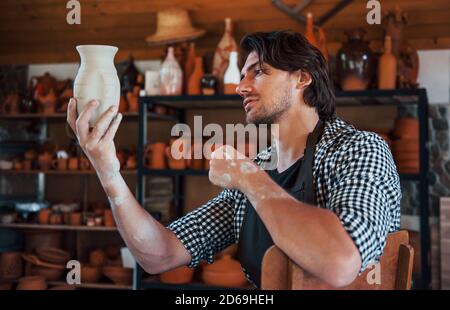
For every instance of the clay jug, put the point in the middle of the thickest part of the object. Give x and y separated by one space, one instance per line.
97 79
189 65
175 163
194 84
387 67
170 75
232 76
59 164
355 62
45 161
309 34
155 155
222 55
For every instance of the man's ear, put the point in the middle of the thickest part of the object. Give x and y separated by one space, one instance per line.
304 79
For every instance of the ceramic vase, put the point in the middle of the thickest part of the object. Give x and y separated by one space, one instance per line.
222 55
232 76
170 75
97 79
387 67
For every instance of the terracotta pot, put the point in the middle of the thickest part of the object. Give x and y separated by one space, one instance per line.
56 219
97 258
121 156
44 216
155 155
178 275
59 164
50 274
76 219
73 163
45 161
53 255
11 265
90 274
406 128
225 272
170 75
32 283
119 275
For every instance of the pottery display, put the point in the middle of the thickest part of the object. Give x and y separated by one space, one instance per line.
194 81
155 155
355 62
222 54
32 283
232 76
209 84
387 67
97 79
170 75
178 275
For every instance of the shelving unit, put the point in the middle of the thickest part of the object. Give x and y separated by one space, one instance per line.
396 98
78 234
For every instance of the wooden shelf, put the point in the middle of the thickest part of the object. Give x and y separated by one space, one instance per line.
63 172
59 227
105 286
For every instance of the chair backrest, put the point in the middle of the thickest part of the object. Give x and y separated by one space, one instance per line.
396 263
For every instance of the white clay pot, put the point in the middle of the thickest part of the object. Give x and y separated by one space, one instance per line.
97 79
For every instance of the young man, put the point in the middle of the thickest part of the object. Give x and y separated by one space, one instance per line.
329 203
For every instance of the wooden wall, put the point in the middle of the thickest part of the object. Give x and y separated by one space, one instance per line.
35 31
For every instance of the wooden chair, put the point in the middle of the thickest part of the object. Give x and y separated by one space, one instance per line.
280 273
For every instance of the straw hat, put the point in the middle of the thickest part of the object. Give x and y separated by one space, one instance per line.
173 25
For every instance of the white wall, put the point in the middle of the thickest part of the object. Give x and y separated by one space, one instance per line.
434 74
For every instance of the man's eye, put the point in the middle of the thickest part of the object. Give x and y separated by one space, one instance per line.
258 71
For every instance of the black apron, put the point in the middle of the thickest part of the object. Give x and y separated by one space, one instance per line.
254 239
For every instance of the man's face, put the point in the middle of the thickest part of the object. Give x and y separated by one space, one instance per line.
267 92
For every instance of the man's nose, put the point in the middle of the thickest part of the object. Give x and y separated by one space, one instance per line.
243 88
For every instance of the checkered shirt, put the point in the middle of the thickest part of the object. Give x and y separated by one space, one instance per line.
354 176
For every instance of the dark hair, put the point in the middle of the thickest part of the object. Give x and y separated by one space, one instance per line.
290 51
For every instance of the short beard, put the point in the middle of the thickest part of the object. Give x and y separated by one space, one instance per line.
281 105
